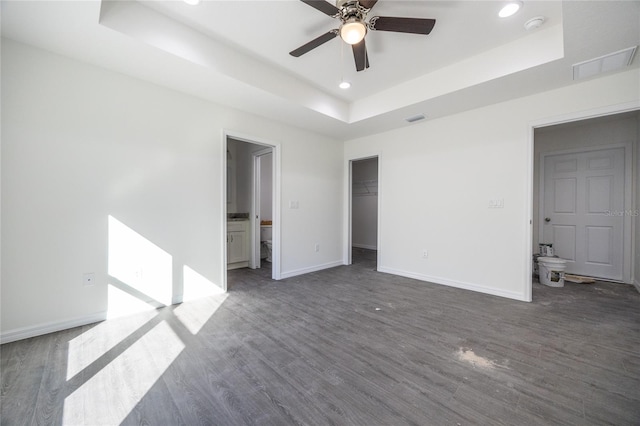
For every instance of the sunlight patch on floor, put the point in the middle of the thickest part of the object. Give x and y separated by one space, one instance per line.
111 394
86 348
195 314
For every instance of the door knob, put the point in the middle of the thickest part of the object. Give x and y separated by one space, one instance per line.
547 219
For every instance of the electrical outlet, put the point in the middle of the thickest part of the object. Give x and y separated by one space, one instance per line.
137 273
497 203
317 247
88 279
425 254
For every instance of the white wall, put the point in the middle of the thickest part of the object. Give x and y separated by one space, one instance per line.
437 178
266 187
364 207
242 171
314 187
80 143
232 177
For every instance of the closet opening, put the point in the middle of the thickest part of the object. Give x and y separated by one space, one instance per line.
364 211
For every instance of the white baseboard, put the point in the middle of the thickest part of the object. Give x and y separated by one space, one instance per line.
50 327
458 284
365 246
316 268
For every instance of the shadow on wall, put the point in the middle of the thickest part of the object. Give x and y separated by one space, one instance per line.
141 275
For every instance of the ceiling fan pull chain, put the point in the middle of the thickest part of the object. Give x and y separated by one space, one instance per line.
341 62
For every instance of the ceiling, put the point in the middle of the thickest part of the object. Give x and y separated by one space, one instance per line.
235 53
270 29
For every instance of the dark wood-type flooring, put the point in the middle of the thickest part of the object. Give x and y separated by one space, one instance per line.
342 346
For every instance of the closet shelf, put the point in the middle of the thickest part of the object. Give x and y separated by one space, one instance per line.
364 188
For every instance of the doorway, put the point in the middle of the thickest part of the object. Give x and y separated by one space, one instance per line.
364 211
251 201
583 194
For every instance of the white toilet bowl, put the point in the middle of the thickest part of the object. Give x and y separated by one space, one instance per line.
267 244
265 237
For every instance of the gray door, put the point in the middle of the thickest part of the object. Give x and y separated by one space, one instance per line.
584 211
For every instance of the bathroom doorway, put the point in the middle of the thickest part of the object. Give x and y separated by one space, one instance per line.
251 206
364 211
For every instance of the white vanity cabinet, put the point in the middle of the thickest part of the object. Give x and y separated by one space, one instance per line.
237 244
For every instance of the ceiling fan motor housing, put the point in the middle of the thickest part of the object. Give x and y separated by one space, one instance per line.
350 10
352 15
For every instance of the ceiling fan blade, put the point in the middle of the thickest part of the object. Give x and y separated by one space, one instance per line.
322 6
368 4
360 55
402 25
314 43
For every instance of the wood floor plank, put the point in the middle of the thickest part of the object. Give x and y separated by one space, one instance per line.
23 367
344 346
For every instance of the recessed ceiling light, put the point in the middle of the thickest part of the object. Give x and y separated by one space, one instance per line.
192 2
344 85
510 9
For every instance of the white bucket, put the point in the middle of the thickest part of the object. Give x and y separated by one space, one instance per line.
552 271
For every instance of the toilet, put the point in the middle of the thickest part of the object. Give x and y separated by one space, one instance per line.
267 244
551 271
265 239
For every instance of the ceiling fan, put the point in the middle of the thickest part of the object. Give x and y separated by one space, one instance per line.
352 15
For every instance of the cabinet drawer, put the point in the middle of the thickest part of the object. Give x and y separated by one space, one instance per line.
236 226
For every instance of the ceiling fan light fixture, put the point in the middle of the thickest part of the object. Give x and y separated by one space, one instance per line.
510 9
353 31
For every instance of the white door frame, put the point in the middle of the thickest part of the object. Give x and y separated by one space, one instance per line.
277 190
255 219
627 264
347 255
550 121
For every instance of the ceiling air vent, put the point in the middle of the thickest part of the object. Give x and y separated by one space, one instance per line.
415 118
606 63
